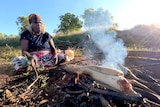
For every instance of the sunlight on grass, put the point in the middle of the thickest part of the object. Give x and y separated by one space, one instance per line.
142 49
7 53
78 52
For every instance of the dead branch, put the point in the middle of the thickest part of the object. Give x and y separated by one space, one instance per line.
116 95
37 77
104 102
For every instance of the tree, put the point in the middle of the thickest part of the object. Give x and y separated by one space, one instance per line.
98 18
22 23
69 22
1 35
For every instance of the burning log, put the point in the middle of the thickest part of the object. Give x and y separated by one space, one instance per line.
110 77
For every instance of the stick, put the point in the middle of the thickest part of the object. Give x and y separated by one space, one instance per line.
112 94
37 77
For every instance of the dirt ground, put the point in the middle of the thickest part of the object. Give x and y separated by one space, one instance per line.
57 87
145 61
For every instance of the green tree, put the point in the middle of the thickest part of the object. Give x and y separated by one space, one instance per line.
2 35
69 22
22 23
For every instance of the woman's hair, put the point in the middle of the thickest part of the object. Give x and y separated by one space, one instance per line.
43 30
36 18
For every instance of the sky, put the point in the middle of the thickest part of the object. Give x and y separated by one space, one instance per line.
127 13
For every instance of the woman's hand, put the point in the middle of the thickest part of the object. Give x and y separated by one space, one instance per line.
55 58
31 60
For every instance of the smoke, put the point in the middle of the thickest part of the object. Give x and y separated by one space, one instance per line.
98 24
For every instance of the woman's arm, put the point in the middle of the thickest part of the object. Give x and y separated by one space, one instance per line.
52 46
53 50
24 46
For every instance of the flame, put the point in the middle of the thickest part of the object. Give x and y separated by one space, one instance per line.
77 78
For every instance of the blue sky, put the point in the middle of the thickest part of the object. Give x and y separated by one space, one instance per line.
127 13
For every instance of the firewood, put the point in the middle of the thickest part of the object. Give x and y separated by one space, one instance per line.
151 96
37 77
88 69
104 102
140 85
117 83
105 70
113 95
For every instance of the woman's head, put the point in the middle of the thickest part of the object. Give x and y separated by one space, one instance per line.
36 24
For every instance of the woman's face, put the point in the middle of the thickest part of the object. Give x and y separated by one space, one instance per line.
36 27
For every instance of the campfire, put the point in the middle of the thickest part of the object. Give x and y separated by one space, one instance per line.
78 84
72 85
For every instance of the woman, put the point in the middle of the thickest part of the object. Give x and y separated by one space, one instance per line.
36 38
37 43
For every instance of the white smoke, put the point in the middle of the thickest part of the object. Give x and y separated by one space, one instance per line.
98 24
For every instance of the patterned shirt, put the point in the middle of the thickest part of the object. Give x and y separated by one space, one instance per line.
37 43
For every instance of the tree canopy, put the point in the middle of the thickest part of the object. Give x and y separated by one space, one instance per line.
69 22
22 23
